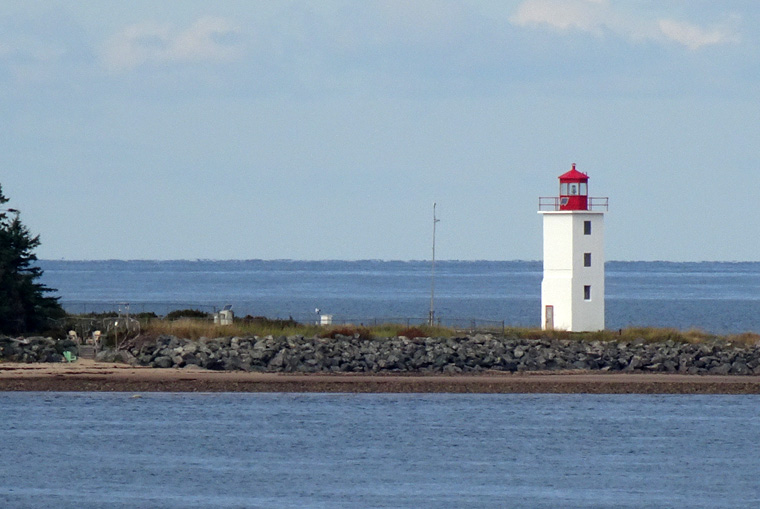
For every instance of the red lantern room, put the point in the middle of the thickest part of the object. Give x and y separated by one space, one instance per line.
573 190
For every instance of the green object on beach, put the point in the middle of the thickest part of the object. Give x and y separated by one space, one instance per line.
70 357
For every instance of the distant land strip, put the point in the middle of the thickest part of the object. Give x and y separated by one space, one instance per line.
90 376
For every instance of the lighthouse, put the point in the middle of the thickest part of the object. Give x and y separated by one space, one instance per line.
572 290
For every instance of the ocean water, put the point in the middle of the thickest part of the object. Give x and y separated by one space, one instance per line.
712 296
80 450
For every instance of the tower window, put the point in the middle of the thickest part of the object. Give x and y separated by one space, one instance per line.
587 292
587 259
586 227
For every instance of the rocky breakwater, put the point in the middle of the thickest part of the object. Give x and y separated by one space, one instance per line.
35 349
469 354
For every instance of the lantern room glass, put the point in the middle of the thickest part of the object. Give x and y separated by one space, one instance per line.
573 189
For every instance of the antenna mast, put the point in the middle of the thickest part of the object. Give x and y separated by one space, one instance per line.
431 317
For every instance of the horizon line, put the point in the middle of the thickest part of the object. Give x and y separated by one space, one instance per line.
357 260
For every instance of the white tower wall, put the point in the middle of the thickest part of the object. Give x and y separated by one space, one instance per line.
573 290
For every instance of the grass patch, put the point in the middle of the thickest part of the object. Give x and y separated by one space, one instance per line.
390 330
745 338
195 328
646 334
347 330
191 328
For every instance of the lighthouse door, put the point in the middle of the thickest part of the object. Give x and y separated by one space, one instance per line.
549 318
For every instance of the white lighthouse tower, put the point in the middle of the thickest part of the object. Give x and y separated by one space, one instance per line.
572 291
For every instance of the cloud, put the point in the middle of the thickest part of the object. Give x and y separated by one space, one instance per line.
584 15
599 17
209 39
694 37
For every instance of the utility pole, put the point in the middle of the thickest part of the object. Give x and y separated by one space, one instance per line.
431 317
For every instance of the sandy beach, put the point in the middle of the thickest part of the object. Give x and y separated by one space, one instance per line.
88 375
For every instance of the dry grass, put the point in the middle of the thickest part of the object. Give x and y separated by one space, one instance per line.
745 338
389 330
194 329
656 335
647 334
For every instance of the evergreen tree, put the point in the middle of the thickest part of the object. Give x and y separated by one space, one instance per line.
24 303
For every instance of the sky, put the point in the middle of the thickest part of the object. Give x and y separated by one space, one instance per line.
328 129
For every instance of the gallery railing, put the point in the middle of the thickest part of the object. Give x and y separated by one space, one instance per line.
550 203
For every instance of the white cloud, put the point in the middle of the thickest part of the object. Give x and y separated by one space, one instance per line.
584 15
694 37
155 43
599 16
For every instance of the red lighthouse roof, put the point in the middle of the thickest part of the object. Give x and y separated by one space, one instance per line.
573 190
573 194
573 175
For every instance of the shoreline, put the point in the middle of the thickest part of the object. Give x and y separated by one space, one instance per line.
90 376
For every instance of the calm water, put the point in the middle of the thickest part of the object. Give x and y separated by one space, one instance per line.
78 450
717 297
